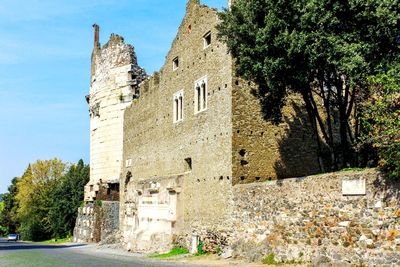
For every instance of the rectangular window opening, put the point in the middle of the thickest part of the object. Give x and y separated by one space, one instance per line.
175 63
188 164
207 39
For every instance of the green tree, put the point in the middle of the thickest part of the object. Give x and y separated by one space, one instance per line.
322 49
3 229
34 198
381 119
67 197
8 216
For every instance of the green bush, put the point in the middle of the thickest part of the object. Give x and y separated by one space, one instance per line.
200 249
381 120
269 259
33 230
99 203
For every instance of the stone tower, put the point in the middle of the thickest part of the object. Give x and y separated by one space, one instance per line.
115 76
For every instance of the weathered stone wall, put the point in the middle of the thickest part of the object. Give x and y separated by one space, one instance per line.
98 223
263 150
110 222
85 224
156 147
308 218
151 211
115 75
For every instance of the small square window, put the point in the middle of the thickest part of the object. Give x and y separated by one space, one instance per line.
175 63
207 39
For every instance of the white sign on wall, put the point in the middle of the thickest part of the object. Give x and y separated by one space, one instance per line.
354 187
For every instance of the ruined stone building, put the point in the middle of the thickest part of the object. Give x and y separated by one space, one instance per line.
185 157
174 144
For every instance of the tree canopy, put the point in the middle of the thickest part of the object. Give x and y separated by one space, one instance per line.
67 197
323 49
44 201
34 197
381 119
8 216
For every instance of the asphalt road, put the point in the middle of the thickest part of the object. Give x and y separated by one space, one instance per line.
40 255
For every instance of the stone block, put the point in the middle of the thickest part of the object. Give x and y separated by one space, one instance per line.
356 187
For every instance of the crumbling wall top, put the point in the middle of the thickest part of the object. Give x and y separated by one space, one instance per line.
115 53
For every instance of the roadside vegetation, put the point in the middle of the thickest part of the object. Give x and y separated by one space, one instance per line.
57 240
177 251
42 204
342 57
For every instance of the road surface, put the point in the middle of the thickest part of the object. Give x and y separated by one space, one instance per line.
33 254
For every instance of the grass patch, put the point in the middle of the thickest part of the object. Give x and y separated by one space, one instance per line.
353 169
174 252
269 259
32 259
56 240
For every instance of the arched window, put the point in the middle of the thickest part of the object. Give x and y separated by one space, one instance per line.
198 98
200 95
176 109
178 106
204 94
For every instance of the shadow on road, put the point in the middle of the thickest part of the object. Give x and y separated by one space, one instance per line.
29 246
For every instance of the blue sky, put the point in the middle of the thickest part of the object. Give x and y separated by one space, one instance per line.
45 48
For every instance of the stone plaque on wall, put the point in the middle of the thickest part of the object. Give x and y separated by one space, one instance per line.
354 187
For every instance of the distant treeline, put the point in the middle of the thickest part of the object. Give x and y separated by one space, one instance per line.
43 202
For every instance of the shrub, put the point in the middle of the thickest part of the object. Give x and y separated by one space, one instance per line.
381 120
269 259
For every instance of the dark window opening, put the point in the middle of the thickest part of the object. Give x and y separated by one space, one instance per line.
258 178
128 177
176 110
242 178
198 98
203 87
175 63
242 152
188 165
207 39
244 162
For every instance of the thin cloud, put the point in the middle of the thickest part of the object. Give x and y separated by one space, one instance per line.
41 10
